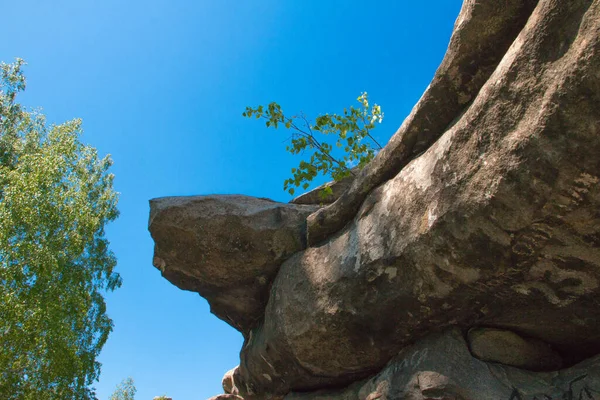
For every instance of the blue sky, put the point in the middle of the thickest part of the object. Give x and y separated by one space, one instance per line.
161 85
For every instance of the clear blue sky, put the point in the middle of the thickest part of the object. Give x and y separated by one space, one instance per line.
161 86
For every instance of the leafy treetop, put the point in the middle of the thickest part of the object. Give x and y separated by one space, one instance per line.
354 139
56 196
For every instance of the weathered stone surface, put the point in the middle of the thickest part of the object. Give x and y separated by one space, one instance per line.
482 34
227 248
226 397
228 382
497 223
483 210
440 367
508 348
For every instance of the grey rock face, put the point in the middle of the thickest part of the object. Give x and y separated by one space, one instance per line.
508 348
227 248
483 210
497 224
483 33
441 367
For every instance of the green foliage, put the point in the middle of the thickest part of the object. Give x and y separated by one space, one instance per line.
55 198
353 140
125 390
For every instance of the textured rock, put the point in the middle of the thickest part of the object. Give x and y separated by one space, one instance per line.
227 248
506 347
483 210
226 397
482 34
440 367
228 382
497 224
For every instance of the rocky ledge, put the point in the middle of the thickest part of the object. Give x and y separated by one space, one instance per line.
462 263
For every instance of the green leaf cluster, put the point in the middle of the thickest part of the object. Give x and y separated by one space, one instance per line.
56 195
352 133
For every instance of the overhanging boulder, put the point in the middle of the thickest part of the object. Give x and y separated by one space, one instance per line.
226 248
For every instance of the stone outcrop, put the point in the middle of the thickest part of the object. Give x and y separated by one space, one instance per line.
226 397
228 382
441 367
483 211
483 33
508 348
227 248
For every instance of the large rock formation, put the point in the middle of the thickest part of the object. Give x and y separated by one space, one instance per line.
227 248
482 211
441 367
